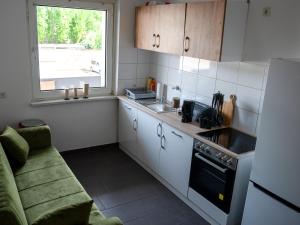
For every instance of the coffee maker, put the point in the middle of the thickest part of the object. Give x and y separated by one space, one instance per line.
187 111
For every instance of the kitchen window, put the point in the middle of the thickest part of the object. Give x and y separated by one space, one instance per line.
71 45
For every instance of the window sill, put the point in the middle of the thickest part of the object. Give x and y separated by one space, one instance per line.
80 100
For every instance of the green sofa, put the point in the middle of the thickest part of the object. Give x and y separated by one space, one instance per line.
44 185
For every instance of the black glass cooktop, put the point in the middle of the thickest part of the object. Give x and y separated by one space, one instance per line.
231 139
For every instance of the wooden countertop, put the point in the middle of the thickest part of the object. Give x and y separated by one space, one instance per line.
174 120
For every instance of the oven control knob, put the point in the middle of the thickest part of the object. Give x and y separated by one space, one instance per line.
207 150
229 161
219 155
202 147
224 158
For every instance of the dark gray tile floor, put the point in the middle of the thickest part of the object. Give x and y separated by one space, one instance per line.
120 187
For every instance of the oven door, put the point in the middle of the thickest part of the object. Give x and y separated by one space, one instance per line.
212 180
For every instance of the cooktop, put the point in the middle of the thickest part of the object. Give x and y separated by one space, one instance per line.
231 139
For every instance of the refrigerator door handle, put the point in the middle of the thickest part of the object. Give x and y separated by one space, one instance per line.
276 197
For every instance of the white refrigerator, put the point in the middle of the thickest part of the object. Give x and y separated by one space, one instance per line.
274 189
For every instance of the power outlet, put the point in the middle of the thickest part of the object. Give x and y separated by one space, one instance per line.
267 11
2 94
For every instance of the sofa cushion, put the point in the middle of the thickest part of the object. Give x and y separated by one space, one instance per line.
49 191
42 176
61 201
39 159
15 146
69 210
36 137
11 210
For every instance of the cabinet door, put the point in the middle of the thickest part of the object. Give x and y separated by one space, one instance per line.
204 29
148 136
145 19
170 28
175 158
127 127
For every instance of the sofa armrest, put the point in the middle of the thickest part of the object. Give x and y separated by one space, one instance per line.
37 137
111 221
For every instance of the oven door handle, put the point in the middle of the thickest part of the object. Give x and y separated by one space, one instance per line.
223 170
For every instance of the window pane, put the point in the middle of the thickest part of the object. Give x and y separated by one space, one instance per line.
71 47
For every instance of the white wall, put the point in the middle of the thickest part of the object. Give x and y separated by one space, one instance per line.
73 125
134 64
276 36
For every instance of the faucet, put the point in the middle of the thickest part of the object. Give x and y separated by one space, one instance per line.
162 99
177 88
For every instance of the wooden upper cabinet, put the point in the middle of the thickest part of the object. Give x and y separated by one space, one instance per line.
171 28
145 17
209 29
204 29
160 28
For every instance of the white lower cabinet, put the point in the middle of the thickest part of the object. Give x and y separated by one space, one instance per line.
175 158
160 147
148 138
128 127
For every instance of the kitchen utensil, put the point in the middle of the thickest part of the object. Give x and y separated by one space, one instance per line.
159 90
217 104
228 110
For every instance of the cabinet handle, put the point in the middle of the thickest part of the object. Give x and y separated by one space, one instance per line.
154 41
127 107
163 142
178 135
187 44
157 131
157 45
135 125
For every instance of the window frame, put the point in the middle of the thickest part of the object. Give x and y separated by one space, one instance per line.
34 51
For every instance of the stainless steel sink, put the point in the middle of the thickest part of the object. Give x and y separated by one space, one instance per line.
160 108
156 106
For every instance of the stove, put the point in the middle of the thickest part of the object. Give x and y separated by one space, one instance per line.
231 139
213 170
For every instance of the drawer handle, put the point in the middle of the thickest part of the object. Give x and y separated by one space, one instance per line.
154 41
187 44
157 45
128 107
135 125
163 142
178 135
222 170
159 130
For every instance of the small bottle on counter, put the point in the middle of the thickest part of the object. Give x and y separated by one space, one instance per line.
176 102
153 85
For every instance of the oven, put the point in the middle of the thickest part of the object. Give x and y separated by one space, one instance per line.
212 175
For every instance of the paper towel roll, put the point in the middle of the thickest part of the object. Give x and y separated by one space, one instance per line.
159 90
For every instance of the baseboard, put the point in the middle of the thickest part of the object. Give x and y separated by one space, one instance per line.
91 148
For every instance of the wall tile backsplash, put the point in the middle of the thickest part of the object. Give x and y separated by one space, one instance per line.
198 79
134 68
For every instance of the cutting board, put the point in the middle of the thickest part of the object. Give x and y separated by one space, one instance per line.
228 110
